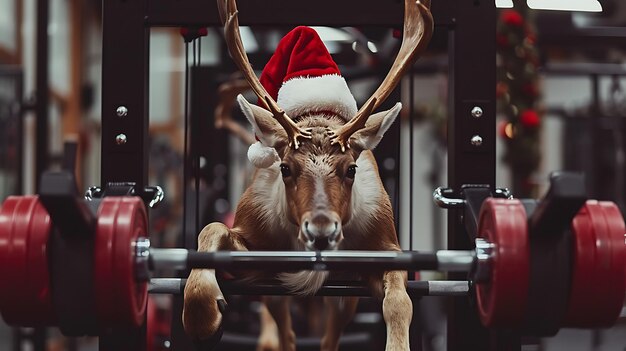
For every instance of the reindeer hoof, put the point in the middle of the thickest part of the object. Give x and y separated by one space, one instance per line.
222 305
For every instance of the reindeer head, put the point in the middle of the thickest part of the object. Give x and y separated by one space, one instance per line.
318 176
318 155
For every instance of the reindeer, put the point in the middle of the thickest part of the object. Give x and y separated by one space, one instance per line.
325 193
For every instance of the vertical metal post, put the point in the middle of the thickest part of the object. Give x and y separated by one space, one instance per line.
125 56
41 117
205 138
19 182
42 92
471 148
596 180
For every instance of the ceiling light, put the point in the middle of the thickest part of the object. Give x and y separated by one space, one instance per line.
504 4
566 5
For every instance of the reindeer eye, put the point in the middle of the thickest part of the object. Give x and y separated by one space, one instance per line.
351 172
284 169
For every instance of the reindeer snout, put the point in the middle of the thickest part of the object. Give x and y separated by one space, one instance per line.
321 230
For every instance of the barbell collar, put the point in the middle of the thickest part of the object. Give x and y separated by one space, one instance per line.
455 260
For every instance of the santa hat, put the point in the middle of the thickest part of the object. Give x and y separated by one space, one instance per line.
303 78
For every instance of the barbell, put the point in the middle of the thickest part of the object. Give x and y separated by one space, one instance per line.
499 265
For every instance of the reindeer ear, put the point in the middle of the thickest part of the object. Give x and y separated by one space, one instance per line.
267 130
375 127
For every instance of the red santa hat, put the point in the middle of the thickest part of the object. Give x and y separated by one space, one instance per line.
303 78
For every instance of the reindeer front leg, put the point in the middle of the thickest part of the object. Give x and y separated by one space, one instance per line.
204 301
269 339
340 312
397 310
278 307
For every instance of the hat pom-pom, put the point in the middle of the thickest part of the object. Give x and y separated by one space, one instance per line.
262 156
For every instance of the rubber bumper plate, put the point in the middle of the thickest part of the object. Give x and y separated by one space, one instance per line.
24 231
120 297
598 277
502 299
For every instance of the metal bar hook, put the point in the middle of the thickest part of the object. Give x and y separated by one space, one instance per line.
445 202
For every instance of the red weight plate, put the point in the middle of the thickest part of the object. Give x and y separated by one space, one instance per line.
7 227
120 299
131 224
616 285
609 277
15 311
584 280
598 266
617 228
38 275
502 301
104 279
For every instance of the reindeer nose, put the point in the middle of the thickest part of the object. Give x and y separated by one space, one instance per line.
321 230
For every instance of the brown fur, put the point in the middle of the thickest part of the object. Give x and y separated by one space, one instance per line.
252 231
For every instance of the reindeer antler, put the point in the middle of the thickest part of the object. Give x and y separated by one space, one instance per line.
228 14
418 28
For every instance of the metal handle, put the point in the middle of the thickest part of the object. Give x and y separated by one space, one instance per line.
446 202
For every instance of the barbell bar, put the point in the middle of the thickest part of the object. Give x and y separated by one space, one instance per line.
444 260
176 286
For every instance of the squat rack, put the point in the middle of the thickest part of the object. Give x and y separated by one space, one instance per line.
470 28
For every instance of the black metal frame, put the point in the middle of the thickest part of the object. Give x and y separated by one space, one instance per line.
472 73
17 75
470 25
42 93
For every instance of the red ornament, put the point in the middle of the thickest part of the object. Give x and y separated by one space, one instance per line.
512 18
529 119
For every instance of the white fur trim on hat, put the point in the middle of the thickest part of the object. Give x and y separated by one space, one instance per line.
262 156
302 95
